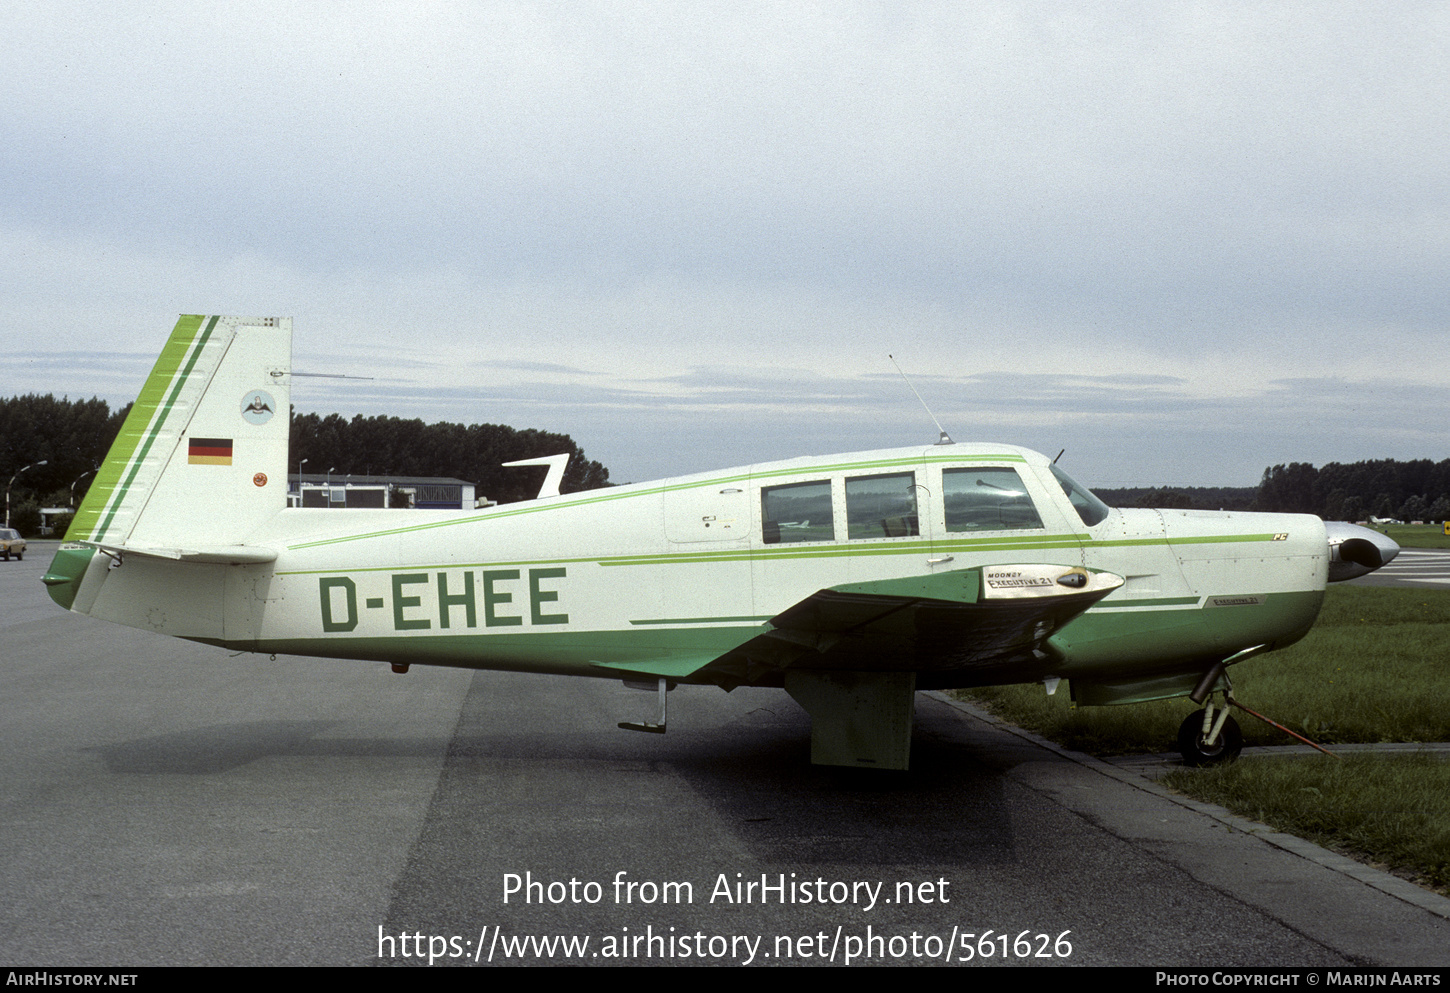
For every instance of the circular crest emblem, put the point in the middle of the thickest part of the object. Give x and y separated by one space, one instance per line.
260 479
258 407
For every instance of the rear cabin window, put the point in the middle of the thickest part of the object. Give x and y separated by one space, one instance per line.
797 512
987 499
881 506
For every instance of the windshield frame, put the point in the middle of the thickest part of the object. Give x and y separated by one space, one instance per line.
1091 510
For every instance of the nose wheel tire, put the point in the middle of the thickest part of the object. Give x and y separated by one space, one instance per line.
1196 752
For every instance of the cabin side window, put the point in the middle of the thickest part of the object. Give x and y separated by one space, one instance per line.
881 506
988 498
797 512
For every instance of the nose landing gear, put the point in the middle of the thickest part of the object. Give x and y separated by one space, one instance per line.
1204 740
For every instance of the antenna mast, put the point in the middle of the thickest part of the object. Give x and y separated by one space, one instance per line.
945 438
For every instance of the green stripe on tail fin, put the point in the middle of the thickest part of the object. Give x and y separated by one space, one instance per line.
148 415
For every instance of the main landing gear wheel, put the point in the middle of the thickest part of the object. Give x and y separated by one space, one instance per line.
1194 748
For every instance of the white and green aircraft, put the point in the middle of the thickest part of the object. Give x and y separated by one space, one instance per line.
851 581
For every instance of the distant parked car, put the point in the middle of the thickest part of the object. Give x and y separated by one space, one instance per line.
11 544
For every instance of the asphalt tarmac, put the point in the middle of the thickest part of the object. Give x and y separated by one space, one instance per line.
166 803
1418 567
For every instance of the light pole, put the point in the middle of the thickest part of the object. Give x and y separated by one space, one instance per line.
12 483
299 480
73 485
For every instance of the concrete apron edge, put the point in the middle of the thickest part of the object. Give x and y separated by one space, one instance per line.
1385 882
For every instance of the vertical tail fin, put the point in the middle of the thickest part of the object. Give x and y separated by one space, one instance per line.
201 460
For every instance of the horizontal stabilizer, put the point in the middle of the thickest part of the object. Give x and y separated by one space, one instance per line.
221 554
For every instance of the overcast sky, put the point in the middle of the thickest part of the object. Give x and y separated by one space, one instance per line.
1182 241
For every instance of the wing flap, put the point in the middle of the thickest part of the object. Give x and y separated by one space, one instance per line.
674 667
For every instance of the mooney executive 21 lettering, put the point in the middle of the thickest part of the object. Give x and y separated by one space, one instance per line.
850 581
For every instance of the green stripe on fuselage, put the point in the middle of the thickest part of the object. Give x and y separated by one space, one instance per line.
812 550
1154 602
744 619
1196 539
769 553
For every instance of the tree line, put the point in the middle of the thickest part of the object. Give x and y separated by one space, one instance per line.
391 446
1180 497
73 436
1418 490
70 436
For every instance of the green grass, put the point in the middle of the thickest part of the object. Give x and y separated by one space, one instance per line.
1416 535
1393 811
1375 668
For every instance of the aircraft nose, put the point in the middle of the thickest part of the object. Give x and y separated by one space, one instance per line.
1355 551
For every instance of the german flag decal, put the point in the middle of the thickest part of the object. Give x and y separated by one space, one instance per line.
209 451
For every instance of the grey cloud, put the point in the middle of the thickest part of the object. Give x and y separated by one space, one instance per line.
670 190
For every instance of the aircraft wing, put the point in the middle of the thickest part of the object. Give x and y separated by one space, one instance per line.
967 619
673 667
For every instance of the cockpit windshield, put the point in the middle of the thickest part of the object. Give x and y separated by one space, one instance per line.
1088 507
